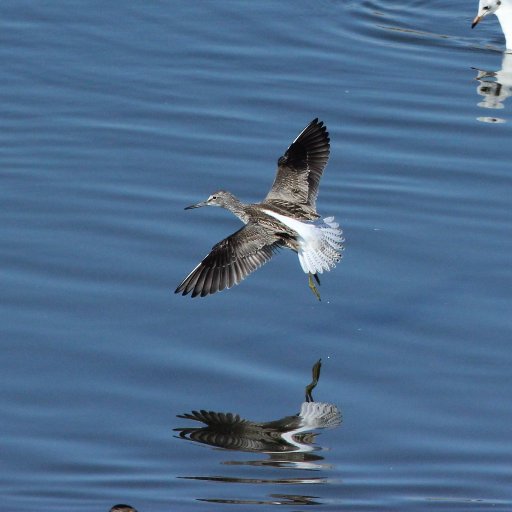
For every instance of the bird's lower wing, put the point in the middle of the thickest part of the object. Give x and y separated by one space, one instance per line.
231 261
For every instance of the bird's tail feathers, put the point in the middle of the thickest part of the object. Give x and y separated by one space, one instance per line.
322 248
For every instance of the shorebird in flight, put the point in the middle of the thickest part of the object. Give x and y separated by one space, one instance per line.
287 218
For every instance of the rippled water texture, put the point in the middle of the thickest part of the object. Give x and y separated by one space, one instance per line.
115 116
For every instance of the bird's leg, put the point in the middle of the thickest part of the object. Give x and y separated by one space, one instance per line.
314 382
312 284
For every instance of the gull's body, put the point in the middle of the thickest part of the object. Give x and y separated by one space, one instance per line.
503 11
287 218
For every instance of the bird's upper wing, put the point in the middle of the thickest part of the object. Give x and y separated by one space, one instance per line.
231 260
300 168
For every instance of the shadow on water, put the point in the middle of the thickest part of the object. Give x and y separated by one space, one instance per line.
495 87
289 443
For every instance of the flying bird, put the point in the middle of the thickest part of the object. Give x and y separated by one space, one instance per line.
287 217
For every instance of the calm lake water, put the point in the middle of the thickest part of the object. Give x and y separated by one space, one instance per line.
116 115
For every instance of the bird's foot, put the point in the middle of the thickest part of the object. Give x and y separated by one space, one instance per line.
312 284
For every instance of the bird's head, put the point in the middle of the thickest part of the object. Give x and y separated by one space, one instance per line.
486 7
219 198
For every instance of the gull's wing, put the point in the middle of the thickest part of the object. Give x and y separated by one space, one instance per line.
300 168
231 260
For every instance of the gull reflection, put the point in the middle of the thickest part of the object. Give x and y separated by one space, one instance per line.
495 87
289 443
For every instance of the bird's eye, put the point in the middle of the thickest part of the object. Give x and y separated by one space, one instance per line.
213 197
498 2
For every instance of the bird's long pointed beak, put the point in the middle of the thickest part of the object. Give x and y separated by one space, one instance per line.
476 21
198 205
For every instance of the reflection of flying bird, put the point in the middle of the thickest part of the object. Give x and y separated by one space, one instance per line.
503 10
288 434
287 217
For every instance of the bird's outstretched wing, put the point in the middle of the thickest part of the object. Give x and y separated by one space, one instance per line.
230 431
231 260
300 168
216 419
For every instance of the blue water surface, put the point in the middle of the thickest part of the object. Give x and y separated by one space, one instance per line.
117 115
